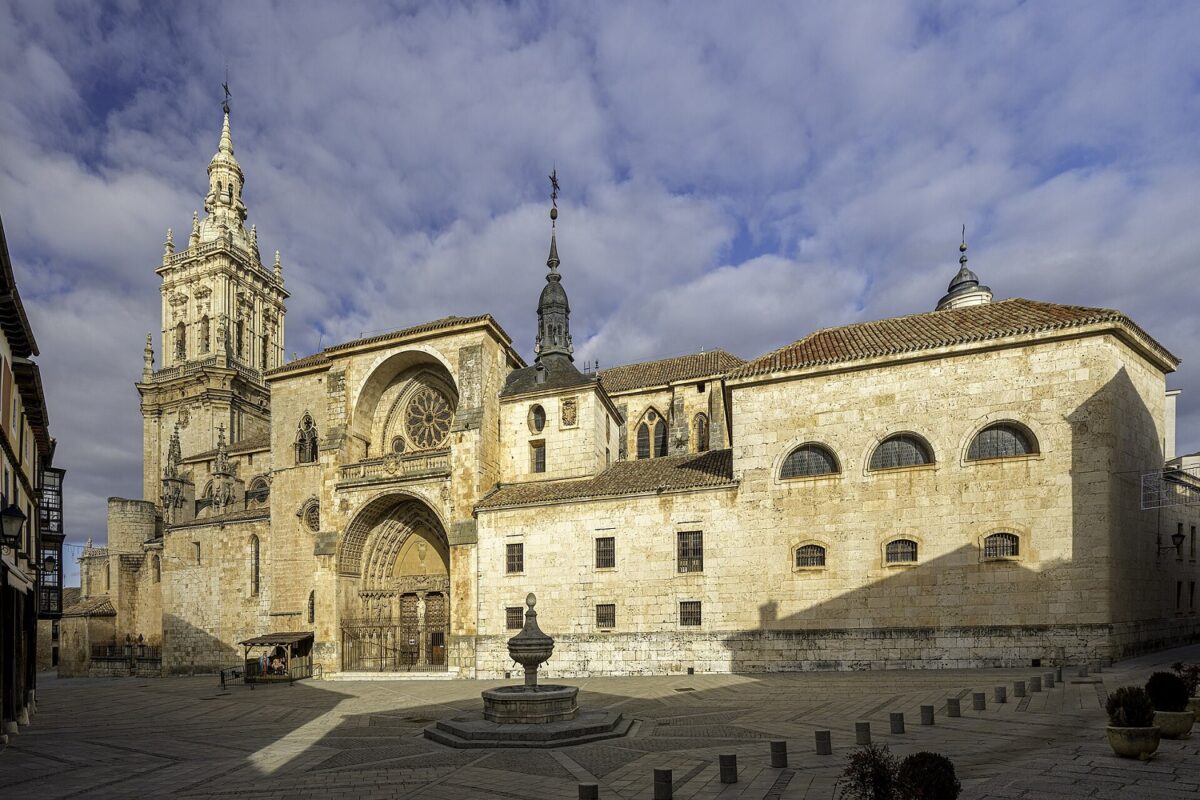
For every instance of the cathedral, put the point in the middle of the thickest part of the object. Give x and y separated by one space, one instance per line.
960 487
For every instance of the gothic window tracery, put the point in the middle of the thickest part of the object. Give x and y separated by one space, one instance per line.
310 515
306 441
700 426
259 494
427 418
652 436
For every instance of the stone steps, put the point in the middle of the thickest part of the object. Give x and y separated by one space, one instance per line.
475 732
450 674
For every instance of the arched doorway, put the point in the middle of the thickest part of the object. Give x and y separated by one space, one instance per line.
394 560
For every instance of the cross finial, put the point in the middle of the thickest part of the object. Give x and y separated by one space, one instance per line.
225 86
962 248
554 187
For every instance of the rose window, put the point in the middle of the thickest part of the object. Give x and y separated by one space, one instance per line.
427 421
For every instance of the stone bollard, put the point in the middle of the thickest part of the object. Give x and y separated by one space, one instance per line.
952 707
862 733
728 762
1000 694
1048 680
1035 684
926 715
663 785
1106 663
779 755
897 719
1083 672
1018 688
824 743
979 701
589 791
1058 674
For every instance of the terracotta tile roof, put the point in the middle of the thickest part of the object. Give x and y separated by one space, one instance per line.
672 473
668 370
249 444
416 330
242 515
99 606
71 595
1000 320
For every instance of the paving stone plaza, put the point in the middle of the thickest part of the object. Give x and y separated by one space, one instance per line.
185 737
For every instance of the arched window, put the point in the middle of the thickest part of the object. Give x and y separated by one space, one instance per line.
901 551
180 342
240 341
660 438
808 460
312 607
310 514
254 565
260 492
306 441
901 450
810 555
1002 545
205 331
266 350
1002 440
700 427
157 563
643 441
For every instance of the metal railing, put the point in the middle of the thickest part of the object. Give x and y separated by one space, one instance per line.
1172 486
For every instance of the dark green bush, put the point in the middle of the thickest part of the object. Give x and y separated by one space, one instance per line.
928 776
1190 675
870 774
1130 707
1167 692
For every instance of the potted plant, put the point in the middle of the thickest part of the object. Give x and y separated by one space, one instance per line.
1190 675
1169 694
928 776
870 774
1131 729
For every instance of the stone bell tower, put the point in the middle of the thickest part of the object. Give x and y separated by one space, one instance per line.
222 328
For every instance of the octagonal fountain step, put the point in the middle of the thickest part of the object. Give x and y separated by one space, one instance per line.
476 732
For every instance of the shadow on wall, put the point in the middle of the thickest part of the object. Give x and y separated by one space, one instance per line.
188 650
1104 599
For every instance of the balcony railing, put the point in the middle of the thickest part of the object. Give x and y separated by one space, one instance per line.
188 367
396 467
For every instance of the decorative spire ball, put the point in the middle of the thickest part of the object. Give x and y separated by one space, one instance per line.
553 215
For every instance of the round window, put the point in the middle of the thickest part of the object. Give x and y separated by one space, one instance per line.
398 444
427 421
312 516
537 418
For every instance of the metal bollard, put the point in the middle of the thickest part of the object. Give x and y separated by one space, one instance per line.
897 719
728 764
1018 688
1000 694
779 755
663 789
589 791
979 701
952 707
824 743
1035 684
926 715
1048 680
862 733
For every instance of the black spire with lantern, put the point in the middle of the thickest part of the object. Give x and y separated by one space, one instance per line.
554 312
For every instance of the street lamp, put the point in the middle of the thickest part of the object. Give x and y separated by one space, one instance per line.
11 520
1176 544
49 563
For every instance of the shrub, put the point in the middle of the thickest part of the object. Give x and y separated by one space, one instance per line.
870 774
1167 692
1190 675
1130 707
928 776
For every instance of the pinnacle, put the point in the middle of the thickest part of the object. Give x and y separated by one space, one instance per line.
226 145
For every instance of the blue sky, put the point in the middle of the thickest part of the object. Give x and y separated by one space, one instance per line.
733 175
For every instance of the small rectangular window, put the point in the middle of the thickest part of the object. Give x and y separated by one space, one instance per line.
514 618
689 612
196 545
606 552
538 456
700 386
691 551
606 615
1178 595
1192 594
514 560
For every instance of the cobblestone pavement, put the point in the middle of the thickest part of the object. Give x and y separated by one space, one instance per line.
183 737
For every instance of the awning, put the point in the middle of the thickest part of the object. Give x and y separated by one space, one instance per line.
272 639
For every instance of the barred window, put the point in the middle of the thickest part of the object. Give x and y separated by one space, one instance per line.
691 551
808 460
689 612
1002 545
537 418
1002 440
537 455
514 558
810 555
606 615
606 552
514 618
901 551
901 450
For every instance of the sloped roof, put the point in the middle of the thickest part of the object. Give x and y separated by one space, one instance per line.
668 370
916 332
99 606
668 474
13 321
556 372
250 444
71 595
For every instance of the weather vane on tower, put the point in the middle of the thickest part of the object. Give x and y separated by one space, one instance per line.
553 196
225 86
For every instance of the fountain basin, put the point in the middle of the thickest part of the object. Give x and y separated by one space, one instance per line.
530 705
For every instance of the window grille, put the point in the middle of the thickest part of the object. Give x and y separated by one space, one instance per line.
810 555
901 551
312 516
691 551
808 460
606 552
901 450
537 418
514 558
689 612
514 618
538 453
701 428
1003 440
1002 545
660 439
643 441
606 615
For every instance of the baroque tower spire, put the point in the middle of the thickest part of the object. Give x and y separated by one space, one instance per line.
554 312
964 288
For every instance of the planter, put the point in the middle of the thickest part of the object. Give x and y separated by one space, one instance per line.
1139 743
1174 724
1194 706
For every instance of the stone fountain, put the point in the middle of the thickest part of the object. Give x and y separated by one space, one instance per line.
529 715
